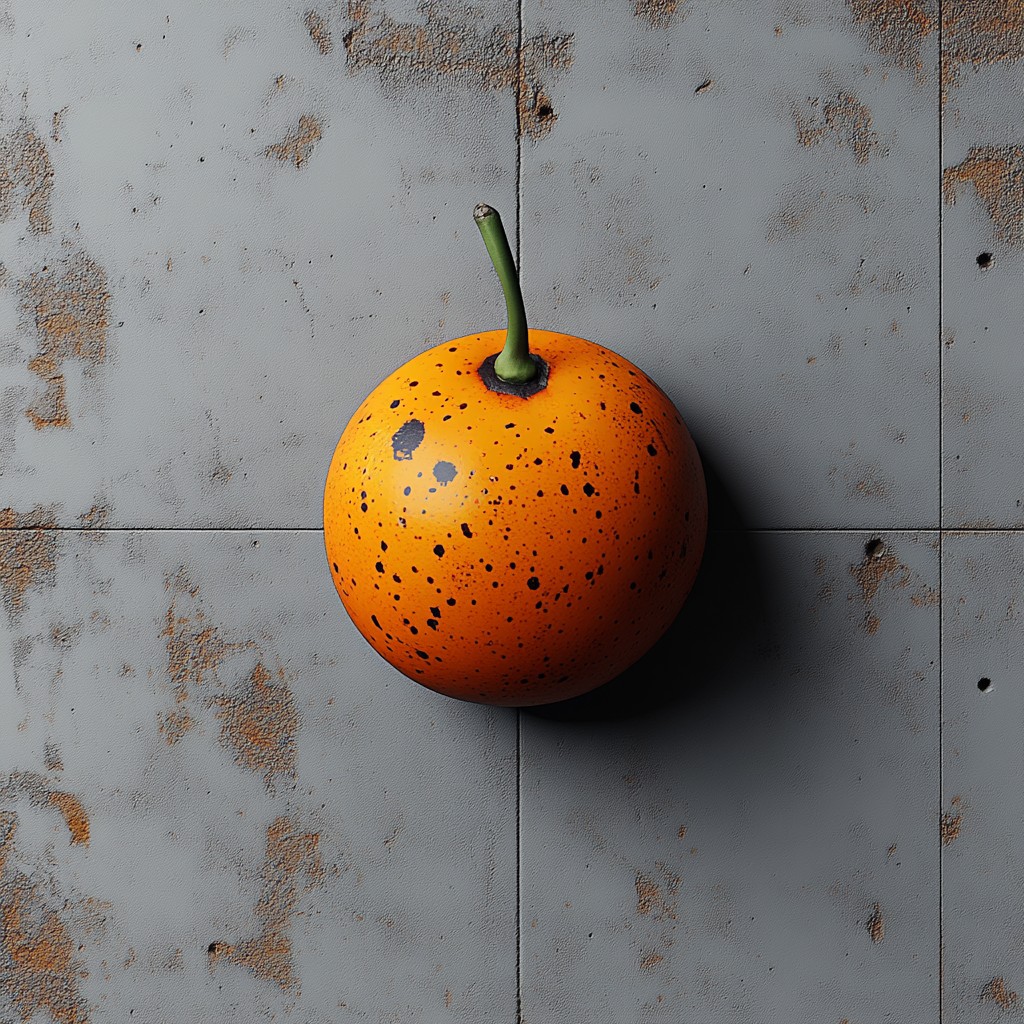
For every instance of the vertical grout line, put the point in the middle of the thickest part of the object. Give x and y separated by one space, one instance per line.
940 519
520 89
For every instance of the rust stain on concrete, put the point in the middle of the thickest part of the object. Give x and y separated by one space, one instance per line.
259 723
291 855
39 972
997 992
880 565
949 826
659 13
652 900
876 924
68 303
976 33
96 518
57 124
997 174
651 961
38 792
319 32
28 555
26 178
74 816
843 119
447 50
172 725
298 144
898 28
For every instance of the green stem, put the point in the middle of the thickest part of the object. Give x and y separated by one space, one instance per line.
513 364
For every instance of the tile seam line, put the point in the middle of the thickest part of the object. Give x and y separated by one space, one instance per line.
945 530
941 509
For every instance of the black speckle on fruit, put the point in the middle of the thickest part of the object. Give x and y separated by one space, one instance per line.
439 550
533 583
396 403
466 530
379 567
633 407
575 457
651 450
407 438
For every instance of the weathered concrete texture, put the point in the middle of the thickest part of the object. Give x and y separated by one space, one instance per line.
215 797
764 244
983 771
222 227
983 259
747 828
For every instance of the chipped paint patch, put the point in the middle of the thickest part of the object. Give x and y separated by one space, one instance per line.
39 973
67 302
843 119
446 51
876 924
290 855
976 33
28 555
259 723
659 13
298 144
26 178
316 26
997 174
997 992
898 28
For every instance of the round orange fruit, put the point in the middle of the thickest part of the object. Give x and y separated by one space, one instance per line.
514 542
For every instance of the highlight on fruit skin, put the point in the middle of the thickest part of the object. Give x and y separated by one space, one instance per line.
514 548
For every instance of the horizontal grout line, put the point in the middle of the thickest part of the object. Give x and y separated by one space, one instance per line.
944 530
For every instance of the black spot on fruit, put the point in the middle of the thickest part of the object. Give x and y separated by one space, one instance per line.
395 404
444 472
588 489
575 457
439 550
533 583
379 567
633 407
432 623
651 450
466 530
407 438
423 654
373 619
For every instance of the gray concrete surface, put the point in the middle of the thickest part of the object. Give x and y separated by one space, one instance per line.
222 225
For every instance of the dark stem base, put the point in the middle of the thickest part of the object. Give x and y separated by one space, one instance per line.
504 387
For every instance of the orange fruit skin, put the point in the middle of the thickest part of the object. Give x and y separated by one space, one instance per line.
507 550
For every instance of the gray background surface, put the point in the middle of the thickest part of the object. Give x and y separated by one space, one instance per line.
221 225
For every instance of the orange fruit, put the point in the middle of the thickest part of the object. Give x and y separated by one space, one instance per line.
515 546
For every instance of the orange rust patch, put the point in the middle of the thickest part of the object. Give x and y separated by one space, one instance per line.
879 565
173 725
316 25
650 961
57 124
194 651
652 901
28 555
876 925
898 28
96 518
68 304
446 51
290 854
26 174
52 757
997 174
74 814
297 145
682 832
997 992
844 120
260 725
949 827
658 13
976 33
38 970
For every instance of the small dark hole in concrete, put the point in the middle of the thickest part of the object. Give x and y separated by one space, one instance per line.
875 548
985 260
984 685
544 111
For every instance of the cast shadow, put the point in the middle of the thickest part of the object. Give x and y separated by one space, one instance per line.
726 626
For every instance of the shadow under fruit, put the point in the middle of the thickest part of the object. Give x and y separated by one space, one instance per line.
514 517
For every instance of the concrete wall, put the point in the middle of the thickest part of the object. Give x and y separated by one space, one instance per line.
222 224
